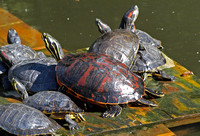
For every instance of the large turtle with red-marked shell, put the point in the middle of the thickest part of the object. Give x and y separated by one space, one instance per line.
97 78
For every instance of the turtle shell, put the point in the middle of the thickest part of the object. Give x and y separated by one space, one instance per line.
117 44
120 44
145 38
99 79
52 102
23 120
36 75
14 53
147 59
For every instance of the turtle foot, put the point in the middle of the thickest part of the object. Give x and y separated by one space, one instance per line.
167 77
161 75
72 124
113 111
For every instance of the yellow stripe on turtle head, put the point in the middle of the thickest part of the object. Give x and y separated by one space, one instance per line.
53 46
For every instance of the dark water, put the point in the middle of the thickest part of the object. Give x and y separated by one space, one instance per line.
71 22
175 23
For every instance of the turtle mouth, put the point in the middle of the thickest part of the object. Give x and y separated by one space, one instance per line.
44 35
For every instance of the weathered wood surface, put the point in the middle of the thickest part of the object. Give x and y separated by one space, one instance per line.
180 105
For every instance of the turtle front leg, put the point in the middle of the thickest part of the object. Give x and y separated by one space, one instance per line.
112 111
72 124
165 76
19 87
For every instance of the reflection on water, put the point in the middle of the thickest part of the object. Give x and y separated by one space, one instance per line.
175 23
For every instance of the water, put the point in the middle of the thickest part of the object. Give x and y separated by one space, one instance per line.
71 22
175 23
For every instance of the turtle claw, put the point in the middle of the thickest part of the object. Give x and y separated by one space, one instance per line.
74 126
113 111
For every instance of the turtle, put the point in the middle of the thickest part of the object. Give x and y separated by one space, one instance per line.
31 76
147 58
97 79
12 54
56 103
15 52
23 120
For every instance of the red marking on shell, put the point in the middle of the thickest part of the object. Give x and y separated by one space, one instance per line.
106 70
104 97
82 80
123 72
136 85
135 78
115 98
105 80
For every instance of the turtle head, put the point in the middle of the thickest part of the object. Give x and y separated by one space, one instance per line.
103 28
53 46
129 18
20 88
13 37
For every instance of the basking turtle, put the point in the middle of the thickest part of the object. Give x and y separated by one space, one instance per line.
12 54
34 75
56 103
20 119
147 57
97 78
15 52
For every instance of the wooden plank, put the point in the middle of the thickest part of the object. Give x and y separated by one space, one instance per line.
29 36
181 101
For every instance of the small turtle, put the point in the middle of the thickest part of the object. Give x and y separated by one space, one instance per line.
56 103
12 54
34 75
15 52
147 57
97 78
20 119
